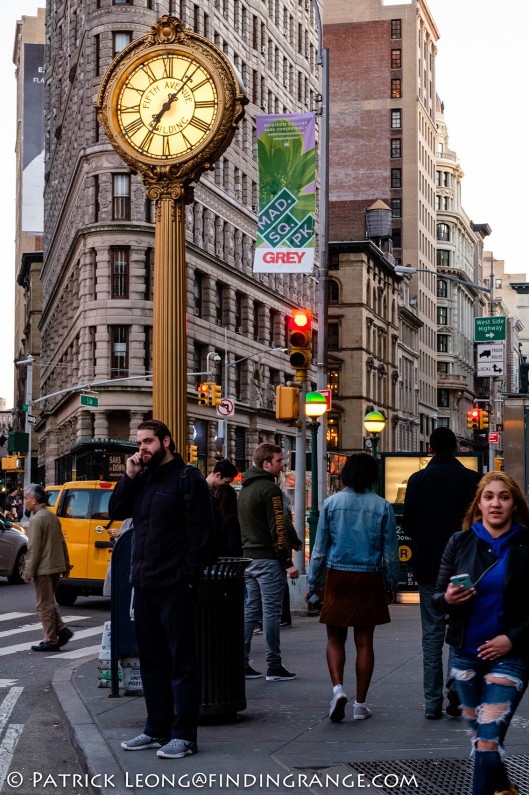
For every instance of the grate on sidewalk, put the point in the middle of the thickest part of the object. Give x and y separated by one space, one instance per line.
433 776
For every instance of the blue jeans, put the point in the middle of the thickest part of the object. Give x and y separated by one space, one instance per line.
265 585
433 639
490 691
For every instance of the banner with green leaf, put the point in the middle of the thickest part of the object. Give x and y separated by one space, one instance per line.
286 150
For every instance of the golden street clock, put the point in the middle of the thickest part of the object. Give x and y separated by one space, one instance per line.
170 102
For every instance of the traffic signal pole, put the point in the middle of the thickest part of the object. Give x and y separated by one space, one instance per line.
300 492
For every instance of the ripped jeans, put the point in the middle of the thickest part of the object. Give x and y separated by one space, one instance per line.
489 691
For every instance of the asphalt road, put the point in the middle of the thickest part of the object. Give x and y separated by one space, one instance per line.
33 740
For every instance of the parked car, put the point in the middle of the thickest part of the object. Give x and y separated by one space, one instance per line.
13 548
82 509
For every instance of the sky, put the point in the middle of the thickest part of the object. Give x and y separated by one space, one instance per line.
481 78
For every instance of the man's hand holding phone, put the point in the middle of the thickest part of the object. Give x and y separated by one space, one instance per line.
460 589
134 465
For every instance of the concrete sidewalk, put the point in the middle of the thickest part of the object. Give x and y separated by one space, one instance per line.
285 733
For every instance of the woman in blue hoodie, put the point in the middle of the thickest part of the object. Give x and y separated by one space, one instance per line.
488 620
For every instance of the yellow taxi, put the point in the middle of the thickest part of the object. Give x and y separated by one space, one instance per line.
82 509
53 494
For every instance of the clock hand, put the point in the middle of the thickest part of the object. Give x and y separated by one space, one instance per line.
165 107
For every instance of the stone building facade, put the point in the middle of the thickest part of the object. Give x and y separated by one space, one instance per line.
97 273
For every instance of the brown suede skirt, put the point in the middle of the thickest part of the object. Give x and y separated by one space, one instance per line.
354 599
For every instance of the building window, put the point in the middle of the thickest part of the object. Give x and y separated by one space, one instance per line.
443 398
396 148
147 354
396 236
198 294
119 340
119 263
443 258
333 380
442 288
334 261
442 343
497 284
396 29
122 2
443 232
396 59
120 40
396 88
396 208
442 368
333 434
333 336
333 291
442 315
396 119
149 274
238 312
121 197
219 292
396 178
443 422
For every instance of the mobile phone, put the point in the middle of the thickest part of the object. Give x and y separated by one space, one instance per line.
314 599
462 579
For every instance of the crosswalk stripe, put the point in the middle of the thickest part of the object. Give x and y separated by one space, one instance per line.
82 633
10 616
7 749
73 655
6 707
28 627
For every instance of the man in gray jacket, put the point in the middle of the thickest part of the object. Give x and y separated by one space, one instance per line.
46 562
265 540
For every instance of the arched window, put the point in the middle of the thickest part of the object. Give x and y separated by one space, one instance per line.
443 232
333 291
442 288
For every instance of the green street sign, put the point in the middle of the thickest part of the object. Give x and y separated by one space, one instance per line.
88 400
490 329
25 407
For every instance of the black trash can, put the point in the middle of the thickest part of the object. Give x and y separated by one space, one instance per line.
220 638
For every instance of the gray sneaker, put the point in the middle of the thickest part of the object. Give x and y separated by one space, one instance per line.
143 741
176 749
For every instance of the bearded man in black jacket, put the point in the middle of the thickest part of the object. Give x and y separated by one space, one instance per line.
173 538
436 501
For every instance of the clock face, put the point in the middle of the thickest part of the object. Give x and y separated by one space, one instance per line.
167 105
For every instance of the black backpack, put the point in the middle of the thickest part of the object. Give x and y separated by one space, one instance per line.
184 485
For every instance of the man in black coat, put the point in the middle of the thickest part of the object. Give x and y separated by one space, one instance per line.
436 501
172 542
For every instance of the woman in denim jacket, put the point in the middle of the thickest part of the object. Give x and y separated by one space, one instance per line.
355 552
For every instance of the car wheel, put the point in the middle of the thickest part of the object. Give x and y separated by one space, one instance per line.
65 596
18 569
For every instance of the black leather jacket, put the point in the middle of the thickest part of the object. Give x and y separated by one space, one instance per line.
466 553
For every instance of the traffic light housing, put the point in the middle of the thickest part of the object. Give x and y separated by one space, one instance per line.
300 341
484 420
216 394
193 454
474 419
13 463
287 403
203 394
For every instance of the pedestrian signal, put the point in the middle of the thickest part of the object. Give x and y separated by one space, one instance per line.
473 419
300 341
203 394
216 394
287 403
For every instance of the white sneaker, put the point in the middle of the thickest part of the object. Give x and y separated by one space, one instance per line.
337 706
360 712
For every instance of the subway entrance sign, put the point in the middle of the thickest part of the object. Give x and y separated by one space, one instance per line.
489 329
89 400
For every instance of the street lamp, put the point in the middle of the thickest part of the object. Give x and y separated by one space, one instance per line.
442 275
315 406
374 423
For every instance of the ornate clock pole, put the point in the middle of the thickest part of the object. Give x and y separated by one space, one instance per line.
169 104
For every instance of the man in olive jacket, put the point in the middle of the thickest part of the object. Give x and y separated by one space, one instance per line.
265 540
46 562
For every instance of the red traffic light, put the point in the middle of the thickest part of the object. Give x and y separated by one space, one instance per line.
204 388
301 319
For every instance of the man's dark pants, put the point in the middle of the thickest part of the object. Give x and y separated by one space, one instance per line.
165 630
